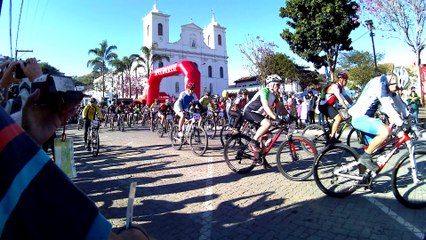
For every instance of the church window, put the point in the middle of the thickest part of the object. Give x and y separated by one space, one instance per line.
177 87
219 40
147 30
210 71
221 72
160 29
160 64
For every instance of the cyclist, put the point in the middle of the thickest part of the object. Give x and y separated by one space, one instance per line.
378 90
88 114
236 109
154 110
164 109
185 99
259 109
329 96
205 102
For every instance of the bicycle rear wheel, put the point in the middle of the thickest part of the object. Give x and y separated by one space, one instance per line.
406 191
335 171
238 155
95 143
198 141
176 141
354 139
295 158
316 134
210 127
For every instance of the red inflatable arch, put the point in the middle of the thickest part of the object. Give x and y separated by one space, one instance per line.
187 68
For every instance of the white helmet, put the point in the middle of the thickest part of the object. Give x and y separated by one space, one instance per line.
402 77
273 79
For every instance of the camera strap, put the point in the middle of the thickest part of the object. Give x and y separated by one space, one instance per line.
64 136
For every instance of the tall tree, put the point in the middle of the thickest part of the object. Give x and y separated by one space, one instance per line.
104 56
360 66
279 64
257 51
148 58
404 18
319 29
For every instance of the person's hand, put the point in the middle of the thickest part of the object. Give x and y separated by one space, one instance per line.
7 79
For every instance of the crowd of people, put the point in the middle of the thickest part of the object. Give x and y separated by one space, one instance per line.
34 185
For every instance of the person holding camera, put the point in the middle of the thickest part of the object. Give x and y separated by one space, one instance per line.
89 114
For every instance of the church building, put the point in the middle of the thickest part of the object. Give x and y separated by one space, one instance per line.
205 47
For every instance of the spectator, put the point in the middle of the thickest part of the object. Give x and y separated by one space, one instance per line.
413 101
43 203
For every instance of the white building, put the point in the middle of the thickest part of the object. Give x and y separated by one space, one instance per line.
205 47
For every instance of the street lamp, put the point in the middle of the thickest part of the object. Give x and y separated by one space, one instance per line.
370 28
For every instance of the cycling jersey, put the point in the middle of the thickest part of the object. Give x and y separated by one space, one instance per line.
89 112
154 107
330 98
205 101
255 104
376 92
184 100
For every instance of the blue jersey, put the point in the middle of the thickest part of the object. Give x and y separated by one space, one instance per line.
184 100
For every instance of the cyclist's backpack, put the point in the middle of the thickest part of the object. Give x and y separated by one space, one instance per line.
323 91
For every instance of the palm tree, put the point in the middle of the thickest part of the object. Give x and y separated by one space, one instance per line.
119 70
104 56
148 59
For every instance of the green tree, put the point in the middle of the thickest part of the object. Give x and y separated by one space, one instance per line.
148 58
46 68
360 67
104 56
319 29
279 64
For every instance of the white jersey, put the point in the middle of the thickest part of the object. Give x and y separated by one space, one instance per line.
377 92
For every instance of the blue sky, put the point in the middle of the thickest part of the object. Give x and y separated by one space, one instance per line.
61 32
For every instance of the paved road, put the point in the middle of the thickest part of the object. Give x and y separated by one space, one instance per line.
181 196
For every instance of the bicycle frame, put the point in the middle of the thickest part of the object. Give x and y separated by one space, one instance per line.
275 138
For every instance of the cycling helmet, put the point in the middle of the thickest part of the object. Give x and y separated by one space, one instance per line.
93 100
273 79
342 75
207 93
402 77
190 85
243 91
225 94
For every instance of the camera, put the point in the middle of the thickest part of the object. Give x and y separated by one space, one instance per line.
57 91
19 73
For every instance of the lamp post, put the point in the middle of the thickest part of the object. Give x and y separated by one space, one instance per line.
370 27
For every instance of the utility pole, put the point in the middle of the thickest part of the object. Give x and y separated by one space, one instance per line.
370 27
16 52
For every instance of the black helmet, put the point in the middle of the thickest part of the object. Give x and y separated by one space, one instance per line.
93 100
207 93
243 91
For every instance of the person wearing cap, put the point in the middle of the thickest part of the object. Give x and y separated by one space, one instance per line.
89 113
185 99
332 94
205 102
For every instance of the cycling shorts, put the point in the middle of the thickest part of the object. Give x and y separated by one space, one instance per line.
253 116
367 125
328 110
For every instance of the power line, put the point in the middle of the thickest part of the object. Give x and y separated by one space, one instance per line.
19 23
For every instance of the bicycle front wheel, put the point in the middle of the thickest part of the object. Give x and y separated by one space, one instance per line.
336 171
296 157
238 155
198 141
316 134
225 134
408 191
210 127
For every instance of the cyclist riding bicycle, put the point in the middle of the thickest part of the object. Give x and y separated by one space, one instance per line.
88 114
164 109
205 102
236 110
329 96
185 99
378 90
259 109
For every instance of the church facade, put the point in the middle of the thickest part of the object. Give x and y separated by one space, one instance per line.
206 47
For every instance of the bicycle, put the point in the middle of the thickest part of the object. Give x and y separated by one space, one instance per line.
93 137
165 128
196 135
247 128
295 156
320 134
209 124
120 121
338 174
